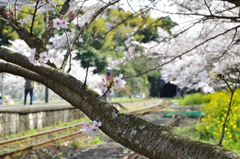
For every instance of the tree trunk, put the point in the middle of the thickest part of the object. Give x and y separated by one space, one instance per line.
133 132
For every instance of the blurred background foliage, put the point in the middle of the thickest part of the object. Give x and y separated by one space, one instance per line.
103 43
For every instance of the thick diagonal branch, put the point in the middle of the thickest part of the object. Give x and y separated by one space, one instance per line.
146 138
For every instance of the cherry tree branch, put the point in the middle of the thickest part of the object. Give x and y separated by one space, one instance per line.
31 41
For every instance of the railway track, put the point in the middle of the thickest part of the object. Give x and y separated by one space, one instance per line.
39 140
11 148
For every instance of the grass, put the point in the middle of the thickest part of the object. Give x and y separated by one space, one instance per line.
193 99
186 131
124 99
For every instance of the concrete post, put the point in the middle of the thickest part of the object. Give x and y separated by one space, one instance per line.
2 90
46 89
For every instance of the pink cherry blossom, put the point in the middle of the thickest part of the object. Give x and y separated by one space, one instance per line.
64 24
111 92
85 128
33 51
36 63
204 76
31 59
57 23
204 66
88 129
44 57
97 124
93 130
207 88
8 14
118 82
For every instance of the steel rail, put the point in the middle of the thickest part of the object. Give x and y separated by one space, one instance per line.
38 135
13 153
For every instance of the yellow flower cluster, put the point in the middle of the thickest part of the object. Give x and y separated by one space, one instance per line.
215 113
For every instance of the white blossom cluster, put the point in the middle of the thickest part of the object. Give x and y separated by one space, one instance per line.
88 129
111 83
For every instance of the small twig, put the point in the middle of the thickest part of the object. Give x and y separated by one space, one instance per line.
34 15
107 90
67 54
227 85
85 82
208 7
232 92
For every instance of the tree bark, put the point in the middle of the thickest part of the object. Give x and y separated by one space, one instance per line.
133 132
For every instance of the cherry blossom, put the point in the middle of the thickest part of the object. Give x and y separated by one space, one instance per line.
204 66
8 14
44 57
93 130
57 23
36 63
203 76
111 83
111 92
207 78
97 124
33 51
31 59
64 24
85 128
118 82
88 129
207 88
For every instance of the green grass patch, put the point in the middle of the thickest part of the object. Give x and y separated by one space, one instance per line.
123 99
192 99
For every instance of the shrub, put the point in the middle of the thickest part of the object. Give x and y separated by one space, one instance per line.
215 112
195 98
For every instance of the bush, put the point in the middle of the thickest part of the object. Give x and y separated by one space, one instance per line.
215 112
196 98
